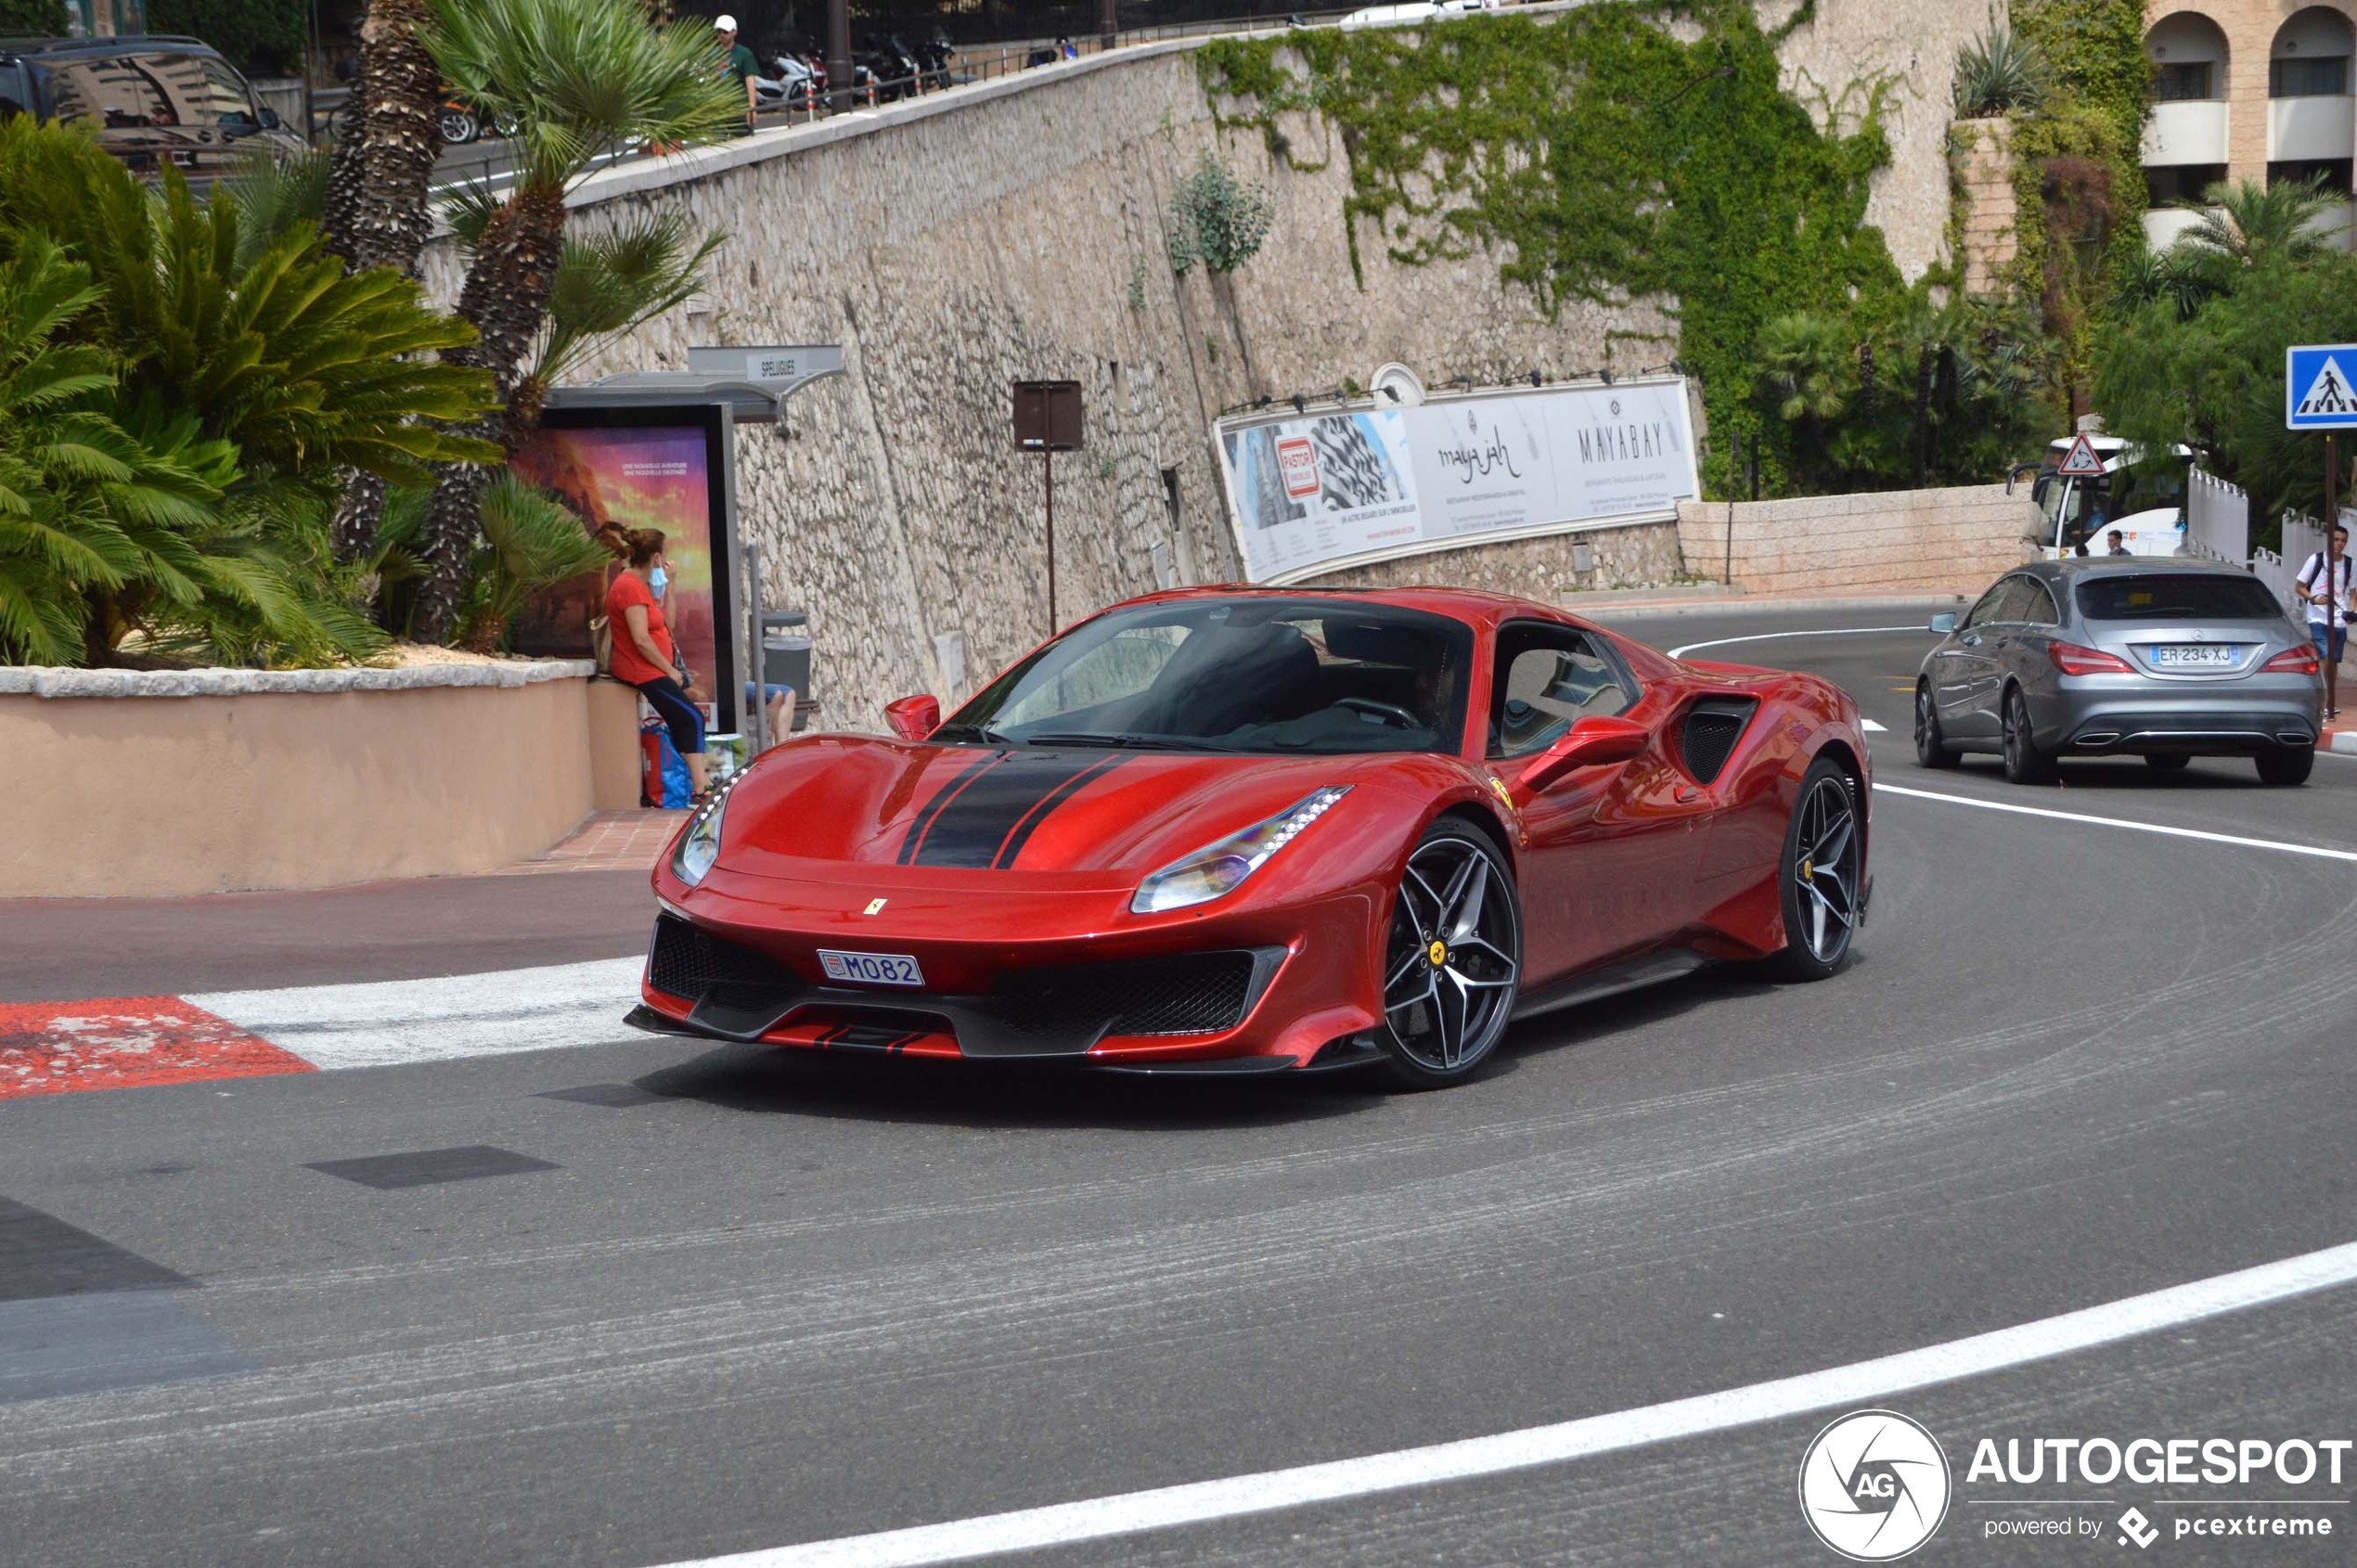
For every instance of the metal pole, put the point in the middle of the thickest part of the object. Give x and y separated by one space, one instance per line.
1108 24
1048 462
757 731
838 55
2325 553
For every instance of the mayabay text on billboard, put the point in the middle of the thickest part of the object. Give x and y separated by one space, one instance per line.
1311 492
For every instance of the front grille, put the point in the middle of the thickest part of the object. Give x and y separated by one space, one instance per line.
1191 993
688 961
1709 736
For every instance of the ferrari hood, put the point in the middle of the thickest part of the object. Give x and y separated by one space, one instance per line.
1084 812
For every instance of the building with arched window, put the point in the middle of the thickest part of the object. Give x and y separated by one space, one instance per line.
2253 90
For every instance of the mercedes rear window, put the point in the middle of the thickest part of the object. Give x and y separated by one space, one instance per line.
2206 596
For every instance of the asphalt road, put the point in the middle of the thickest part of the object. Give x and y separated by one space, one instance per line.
746 1300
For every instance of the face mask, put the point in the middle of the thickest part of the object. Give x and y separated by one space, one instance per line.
659 579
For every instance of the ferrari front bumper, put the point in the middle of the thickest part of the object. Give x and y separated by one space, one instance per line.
1253 1006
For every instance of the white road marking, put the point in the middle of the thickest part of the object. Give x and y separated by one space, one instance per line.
1860 1383
2321 854
387 1022
1871 727
1772 637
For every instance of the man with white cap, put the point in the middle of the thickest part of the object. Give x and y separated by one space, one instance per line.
741 65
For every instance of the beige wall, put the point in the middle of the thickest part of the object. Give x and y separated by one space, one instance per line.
2250 27
1939 539
213 795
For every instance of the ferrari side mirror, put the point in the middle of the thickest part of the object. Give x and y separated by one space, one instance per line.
913 718
1591 743
1943 623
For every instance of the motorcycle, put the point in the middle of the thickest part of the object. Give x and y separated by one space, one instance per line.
462 125
895 71
934 55
792 83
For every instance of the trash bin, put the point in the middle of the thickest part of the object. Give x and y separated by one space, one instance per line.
785 658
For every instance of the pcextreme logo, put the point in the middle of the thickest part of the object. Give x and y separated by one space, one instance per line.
1875 1485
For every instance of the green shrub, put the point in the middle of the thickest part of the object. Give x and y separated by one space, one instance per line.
182 414
261 37
1217 220
36 19
1999 71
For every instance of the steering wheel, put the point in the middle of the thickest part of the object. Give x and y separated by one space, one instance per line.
1389 712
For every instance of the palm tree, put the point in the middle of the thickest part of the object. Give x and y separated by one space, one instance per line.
387 142
2245 221
579 77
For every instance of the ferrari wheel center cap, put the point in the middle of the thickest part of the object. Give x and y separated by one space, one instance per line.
1438 953
1808 869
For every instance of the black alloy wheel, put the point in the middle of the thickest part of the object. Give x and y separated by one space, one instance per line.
1453 963
1930 749
2024 763
1822 874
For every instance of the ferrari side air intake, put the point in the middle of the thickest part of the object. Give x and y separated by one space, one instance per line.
1708 735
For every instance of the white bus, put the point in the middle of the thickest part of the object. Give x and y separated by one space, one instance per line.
2144 498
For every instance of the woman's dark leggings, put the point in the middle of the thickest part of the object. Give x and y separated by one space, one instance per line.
684 718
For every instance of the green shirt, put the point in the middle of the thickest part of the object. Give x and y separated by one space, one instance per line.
742 64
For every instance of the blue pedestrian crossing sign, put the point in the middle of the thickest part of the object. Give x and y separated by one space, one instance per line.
2320 387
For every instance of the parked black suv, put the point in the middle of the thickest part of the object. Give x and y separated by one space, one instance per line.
152 98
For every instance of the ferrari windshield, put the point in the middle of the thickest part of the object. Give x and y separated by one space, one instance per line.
1322 677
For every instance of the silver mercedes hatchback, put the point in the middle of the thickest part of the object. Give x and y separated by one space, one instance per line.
2164 658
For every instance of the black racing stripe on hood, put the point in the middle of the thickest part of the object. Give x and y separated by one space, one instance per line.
941 799
970 829
1020 834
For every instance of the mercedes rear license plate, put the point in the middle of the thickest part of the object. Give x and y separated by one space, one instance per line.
2196 655
872 969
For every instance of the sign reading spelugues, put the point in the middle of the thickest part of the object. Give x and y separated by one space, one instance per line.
1875 1485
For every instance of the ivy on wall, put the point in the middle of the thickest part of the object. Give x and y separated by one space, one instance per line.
1597 157
2079 184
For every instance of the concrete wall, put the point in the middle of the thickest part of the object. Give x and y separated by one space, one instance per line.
966 239
289 788
1959 539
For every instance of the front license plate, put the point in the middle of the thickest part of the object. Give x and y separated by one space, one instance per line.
2196 655
872 969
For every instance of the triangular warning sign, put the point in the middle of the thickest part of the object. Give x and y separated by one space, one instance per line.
2328 393
2081 461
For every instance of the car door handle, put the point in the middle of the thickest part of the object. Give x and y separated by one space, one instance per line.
1971 642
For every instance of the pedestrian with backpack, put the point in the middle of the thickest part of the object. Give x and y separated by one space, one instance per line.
2324 585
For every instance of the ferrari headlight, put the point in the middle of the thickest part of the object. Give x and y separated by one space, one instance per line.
700 845
1218 868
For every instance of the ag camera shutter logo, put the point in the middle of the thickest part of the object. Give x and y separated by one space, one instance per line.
1875 1485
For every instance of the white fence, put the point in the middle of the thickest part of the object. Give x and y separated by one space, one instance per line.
2217 519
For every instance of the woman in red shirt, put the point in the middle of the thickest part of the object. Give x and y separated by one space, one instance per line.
643 655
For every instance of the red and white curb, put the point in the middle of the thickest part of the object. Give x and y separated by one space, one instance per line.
121 1042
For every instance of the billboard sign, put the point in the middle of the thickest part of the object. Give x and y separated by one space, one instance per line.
654 467
1309 493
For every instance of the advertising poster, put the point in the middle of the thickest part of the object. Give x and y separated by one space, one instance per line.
1308 490
1311 493
653 475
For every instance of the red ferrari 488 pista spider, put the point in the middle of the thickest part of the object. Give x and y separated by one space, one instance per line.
1238 830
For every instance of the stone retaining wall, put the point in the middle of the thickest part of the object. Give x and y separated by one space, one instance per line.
1014 229
1954 538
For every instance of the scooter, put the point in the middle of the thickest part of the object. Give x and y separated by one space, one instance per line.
896 74
792 82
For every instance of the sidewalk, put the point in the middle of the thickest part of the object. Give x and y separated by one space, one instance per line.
1618 604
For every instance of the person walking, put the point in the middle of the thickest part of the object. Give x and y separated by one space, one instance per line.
2325 583
741 64
643 654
